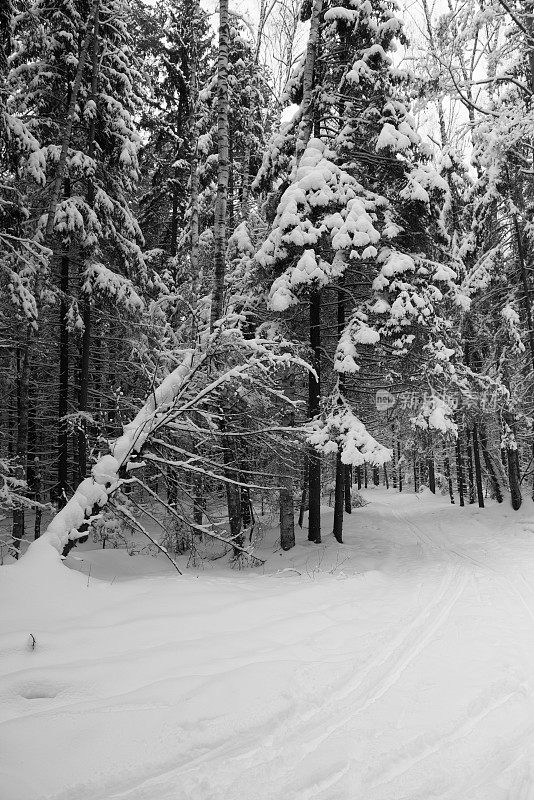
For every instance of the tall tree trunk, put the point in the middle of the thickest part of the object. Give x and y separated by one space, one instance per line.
37 485
193 200
173 248
460 469
63 400
306 121
304 493
394 468
314 399
490 467
431 468
220 230
196 278
223 165
511 455
470 476
85 355
340 470
287 514
449 478
514 477
21 448
348 488
287 510
478 471
338 501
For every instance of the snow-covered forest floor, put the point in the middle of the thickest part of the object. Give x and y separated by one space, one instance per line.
398 665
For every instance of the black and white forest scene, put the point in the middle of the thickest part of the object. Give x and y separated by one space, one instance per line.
266 400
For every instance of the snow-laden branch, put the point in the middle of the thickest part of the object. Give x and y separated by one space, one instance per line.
94 492
177 395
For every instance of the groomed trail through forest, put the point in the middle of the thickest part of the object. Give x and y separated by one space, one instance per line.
397 665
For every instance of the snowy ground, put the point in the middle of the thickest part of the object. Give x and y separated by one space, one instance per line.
397 666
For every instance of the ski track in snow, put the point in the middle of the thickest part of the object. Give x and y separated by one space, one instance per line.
408 675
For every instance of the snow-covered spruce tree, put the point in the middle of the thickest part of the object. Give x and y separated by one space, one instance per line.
21 260
497 101
72 76
178 57
359 208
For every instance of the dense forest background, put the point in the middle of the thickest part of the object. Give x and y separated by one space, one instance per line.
266 263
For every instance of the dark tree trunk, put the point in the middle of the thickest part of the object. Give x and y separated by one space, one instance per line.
85 355
386 479
470 476
514 478
376 476
223 168
246 507
394 472
348 488
459 470
174 217
339 498
431 472
21 448
478 471
83 402
512 465
304 493
287 515
37 484
399 465
198 500
233 500
449 478
314 392
286 500
63 400
359 476
489 465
